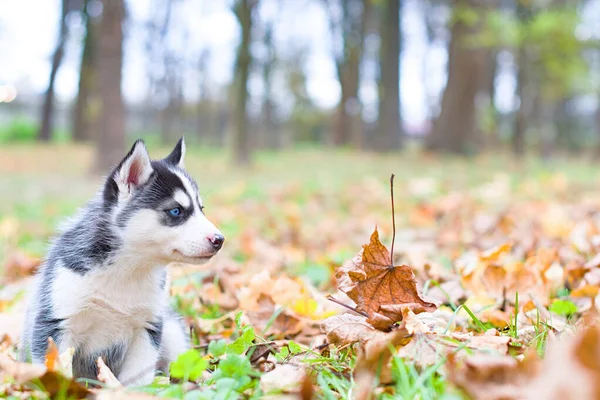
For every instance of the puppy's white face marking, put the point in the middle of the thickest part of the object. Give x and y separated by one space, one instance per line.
192 239
175 229
182 198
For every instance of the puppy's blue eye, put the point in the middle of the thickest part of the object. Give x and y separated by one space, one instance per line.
176 212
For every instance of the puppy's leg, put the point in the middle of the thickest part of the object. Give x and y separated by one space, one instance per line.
174 341
140 361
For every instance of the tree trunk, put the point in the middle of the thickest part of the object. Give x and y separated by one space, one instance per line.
454 130
598 127
83 113
341 123
389 129
111 139
525 88
269 135
241 139
46 125
487 115
348 127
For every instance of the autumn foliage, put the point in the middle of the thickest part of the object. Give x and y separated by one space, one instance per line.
489 293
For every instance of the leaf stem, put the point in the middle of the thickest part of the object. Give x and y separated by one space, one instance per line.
393 219
336 301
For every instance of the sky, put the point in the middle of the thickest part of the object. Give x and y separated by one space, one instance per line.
27 40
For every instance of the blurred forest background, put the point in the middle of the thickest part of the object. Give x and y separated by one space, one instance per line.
459 76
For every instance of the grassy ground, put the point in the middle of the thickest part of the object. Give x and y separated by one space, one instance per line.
301 214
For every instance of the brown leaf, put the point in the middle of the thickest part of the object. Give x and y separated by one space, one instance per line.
571 369
52 382
19 265
488 377
307 390
375 361
427 349
284 324
380 289
55 383
347 329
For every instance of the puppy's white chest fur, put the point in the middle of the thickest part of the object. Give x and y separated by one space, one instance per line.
107 306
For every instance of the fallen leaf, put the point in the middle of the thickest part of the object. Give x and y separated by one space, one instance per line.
426 349
375 354
489 377
347 329
105 375
380 289
272 321
51 355
374 359
284 379
570 370
19 265
52 382
55 383
20 372
121 394
586 291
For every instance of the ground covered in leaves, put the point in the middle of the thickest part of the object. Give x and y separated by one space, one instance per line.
490 292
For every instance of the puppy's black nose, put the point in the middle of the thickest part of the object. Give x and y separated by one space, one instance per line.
216 240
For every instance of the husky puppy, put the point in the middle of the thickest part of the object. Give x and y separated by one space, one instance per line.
102 288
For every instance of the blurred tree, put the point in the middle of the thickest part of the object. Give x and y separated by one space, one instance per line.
389 129
84 113
111 138
486 112
551 67
206 110
525 83
306 123
348 21
455 128
597 122
46 124
165 68
269 137
243 10
434 17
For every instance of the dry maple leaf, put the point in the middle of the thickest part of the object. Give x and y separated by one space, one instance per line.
380 289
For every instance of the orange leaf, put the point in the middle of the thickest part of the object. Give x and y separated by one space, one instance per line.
51 355
585 291
381 290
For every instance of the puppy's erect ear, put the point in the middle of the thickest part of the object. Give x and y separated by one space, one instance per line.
135 169
177 155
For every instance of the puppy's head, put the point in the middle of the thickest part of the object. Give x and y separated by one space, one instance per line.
157 209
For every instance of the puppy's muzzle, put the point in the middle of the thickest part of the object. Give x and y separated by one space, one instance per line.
216 241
